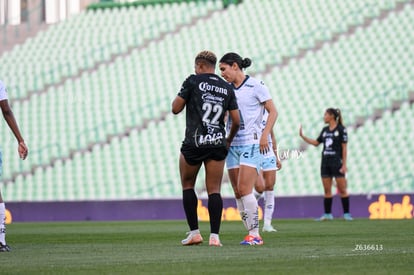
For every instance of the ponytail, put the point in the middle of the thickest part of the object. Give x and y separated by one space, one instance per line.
339 117
230 58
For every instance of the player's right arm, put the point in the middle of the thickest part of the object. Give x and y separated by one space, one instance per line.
313 142
11 121
180 100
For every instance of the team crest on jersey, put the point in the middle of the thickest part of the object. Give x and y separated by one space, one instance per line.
336 133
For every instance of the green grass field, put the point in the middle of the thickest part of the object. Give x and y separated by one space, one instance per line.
153 247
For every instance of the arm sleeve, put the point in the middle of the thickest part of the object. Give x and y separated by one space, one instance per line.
186 88
263 93
344 135
320 137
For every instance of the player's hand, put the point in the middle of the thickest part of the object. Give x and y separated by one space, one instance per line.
300 130
264 144
343 169
278 164
228 143
22 150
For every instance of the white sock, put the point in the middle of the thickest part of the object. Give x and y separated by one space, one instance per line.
257 195
214 235
269 207
3 223
251 214
197 231
240 207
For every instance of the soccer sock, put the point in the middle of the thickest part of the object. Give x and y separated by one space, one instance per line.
269 206
251 214
327 203
257 195
215 210
345 204
213 235
3 223
190 208
240 207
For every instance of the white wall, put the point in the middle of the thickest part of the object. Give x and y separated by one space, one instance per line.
2 12
13 12
55 10
59 10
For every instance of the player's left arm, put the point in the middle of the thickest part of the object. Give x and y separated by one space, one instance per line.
178 105
11 121
235 125
274 144
271 119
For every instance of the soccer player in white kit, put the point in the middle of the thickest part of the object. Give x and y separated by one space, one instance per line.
267 178
22 150
244 157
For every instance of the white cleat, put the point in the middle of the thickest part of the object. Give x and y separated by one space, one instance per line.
269 228
192 239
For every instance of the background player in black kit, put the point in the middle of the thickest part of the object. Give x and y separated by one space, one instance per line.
207 98
334 155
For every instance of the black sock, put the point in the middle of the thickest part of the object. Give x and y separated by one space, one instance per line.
327 203
190 208
345 204
215 210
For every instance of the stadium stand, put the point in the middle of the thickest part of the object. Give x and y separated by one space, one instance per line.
96 110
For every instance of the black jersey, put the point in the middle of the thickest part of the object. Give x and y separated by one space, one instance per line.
332 141
207 97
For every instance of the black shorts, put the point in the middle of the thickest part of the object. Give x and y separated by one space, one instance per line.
194 155
330 168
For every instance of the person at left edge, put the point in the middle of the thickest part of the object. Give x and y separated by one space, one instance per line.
22 151
207 98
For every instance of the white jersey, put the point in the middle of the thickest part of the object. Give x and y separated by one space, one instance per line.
250 97
3 91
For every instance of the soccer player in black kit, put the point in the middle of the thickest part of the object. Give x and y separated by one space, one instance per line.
334 155
207 98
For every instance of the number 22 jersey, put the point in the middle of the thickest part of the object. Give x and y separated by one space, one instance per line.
207 97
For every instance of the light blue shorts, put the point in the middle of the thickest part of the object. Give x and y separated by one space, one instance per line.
268 163
248 155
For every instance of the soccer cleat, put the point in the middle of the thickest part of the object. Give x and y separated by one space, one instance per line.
251 240
214 241
348 217
325 217
4 248
268 228
192 239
